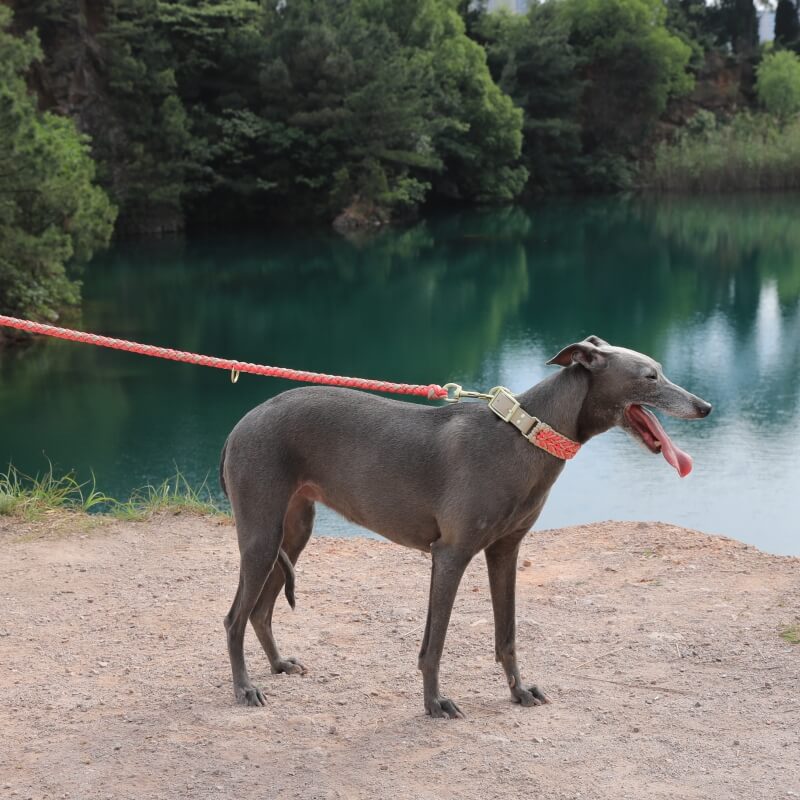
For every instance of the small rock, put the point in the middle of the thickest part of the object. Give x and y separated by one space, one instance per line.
526 563
636 730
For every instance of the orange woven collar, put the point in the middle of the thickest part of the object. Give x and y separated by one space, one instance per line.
539 433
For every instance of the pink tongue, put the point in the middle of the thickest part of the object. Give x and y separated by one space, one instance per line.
674 455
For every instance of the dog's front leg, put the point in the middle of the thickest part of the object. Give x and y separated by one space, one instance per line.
501 559
448 565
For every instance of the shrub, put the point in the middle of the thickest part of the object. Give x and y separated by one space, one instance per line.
778 84
749 153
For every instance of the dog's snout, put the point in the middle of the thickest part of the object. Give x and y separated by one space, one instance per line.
704 408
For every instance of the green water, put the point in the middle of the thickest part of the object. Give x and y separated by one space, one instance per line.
710 287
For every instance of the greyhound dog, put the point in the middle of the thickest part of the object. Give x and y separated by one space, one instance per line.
450 481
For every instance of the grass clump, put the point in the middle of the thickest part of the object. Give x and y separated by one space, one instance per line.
791 634
175 495
31 497
749 153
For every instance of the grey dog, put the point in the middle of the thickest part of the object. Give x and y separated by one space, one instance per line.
450 481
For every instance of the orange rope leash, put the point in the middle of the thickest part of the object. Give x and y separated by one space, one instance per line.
432 391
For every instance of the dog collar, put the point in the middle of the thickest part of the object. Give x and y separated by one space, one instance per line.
539 433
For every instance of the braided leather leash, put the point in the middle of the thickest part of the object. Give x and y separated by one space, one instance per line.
501 401
432 391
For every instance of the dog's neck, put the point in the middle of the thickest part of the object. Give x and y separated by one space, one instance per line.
561 400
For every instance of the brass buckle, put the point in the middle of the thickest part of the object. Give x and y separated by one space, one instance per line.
503 403
455 393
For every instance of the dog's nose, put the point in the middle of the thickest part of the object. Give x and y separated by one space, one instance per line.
704 408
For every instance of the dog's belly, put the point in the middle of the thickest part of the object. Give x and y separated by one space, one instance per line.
417 534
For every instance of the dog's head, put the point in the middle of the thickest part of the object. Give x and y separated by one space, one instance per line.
622 385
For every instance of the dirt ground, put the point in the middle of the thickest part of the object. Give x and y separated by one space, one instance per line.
659 647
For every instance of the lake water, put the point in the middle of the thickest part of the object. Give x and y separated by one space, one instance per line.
709 286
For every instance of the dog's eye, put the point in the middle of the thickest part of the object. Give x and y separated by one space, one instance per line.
652 376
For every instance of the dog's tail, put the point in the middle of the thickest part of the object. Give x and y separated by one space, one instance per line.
283 558
222 469
288 574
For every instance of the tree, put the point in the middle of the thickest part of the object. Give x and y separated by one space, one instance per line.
787 23
52 214
693 21
778 84
370 101
532 61
738 22
632 65
156 160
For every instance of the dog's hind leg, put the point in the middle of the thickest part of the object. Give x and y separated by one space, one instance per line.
501 560
297 526
259 537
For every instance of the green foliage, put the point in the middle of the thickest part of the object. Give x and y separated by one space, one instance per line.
695 23
303 107
750 153
156 156
52 215
633 65
778 84
532 61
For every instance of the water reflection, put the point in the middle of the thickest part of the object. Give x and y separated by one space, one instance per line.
710 287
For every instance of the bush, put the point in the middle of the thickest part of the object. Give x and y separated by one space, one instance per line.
749 153
778 84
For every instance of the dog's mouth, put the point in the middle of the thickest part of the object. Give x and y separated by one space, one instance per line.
645 425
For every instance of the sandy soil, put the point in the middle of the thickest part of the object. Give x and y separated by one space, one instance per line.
659 647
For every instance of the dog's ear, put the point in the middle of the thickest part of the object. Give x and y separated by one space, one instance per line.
585 353
597 340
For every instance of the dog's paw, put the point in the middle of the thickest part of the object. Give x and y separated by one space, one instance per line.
442 708
289 666
250 696
532 696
